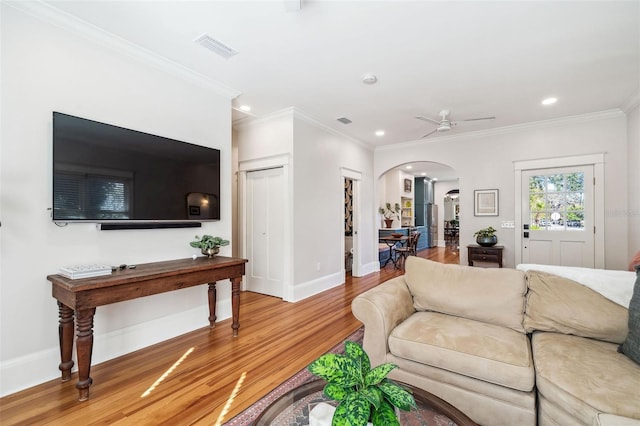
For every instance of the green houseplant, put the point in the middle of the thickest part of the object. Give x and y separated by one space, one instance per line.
389 213
209 245
364 394
486 237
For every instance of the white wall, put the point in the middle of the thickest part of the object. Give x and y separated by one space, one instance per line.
45 69
319 155
633 135
484 160
316 156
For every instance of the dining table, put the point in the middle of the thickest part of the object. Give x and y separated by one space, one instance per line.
393 242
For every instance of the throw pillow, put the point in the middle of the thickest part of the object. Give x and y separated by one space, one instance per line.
631 346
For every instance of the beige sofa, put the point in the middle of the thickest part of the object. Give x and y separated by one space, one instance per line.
506 347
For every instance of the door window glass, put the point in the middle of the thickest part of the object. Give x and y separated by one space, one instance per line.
556 202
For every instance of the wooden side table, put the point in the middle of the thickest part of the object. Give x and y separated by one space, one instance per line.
478 253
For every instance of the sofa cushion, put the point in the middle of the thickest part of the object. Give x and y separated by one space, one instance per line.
492 295
472 348
585 376
559 304
631 346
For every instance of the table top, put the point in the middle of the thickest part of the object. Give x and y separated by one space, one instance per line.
390 238
293 404
146 271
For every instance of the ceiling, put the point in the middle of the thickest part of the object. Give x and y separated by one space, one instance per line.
476 58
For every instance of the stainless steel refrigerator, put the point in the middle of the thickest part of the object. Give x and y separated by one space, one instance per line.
431 224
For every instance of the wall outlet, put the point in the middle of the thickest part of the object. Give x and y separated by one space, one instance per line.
508 224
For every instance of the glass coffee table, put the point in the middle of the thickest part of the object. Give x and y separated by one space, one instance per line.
292 408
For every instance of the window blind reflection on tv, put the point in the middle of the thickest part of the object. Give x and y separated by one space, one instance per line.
106 173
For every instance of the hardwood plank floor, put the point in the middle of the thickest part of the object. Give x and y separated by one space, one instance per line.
213 376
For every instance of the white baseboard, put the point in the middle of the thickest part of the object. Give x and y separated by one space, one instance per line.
369 268
39 367
310 288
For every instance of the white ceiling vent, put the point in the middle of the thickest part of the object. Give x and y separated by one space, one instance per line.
216 46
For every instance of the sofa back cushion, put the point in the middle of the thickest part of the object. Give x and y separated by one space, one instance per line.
562 305
492 295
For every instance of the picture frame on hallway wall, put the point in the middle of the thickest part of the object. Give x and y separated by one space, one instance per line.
485 202
407 185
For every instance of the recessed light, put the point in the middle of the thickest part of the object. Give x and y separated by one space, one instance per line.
423 173
245 108
369 79
379 132
409 167
549 101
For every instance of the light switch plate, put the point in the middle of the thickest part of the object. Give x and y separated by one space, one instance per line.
508 224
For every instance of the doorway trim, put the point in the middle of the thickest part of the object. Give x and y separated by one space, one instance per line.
356 177
595 160
270 162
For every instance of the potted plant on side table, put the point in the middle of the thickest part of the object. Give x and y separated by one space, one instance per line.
364 394
209 245
486 237
389 213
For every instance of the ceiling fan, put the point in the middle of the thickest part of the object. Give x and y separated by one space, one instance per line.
445 124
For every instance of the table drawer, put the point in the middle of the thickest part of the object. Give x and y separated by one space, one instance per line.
493 257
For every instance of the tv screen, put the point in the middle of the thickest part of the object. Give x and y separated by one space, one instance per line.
108 174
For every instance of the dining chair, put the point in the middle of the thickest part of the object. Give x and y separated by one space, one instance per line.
410 249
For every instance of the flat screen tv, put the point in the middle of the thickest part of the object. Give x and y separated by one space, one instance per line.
108 174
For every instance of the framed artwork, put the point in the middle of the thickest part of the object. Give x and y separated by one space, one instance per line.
485 202
407 185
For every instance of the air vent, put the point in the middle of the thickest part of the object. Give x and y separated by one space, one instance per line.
216 46
344 120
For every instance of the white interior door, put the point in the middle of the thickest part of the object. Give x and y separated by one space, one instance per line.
265 231
558 216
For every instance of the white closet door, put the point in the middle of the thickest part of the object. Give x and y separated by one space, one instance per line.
265 231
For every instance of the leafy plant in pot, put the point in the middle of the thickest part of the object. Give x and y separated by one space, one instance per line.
364 394
486 237
389 213
209 245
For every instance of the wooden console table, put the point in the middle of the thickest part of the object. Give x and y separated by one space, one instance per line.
478 253
80 297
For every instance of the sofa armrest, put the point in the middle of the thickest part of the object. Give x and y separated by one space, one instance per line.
381 309
603 419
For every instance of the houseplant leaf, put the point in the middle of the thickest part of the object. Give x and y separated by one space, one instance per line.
376 375
355 351
385 415
353 411
336 368
336 392
397 396
373 395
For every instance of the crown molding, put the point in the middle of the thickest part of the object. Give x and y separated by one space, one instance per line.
295 113
93 33
631 102
582 118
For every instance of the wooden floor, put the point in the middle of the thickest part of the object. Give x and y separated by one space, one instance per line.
206 377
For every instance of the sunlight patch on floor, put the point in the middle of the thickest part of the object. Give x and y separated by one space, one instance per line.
234 392
166 373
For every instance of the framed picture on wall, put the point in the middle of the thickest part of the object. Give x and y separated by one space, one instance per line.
407 185
485 202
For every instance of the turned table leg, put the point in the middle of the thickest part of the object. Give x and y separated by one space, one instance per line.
212 305
84 348
65 335
235 304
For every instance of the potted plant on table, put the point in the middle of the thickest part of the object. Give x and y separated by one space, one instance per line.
389 213
209 245
364 394
486 237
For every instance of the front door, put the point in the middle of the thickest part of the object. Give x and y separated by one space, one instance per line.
265 231
558 216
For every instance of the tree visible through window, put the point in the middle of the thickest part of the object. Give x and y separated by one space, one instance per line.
556 202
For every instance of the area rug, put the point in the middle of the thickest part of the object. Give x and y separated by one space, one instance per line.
247 417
